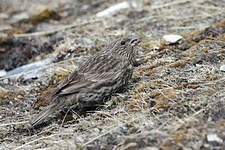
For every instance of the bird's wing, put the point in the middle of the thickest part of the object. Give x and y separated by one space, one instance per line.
104 72
88 82
75 77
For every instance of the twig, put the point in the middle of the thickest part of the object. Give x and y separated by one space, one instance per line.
170 4
65 117
55 30
189 27
42 132
16 123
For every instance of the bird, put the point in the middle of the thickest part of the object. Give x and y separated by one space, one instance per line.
96 79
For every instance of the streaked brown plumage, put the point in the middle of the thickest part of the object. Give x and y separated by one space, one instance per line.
96 79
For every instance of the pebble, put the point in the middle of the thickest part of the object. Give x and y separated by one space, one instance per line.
214 138
172 38
222 68
2 73
6 81
19 96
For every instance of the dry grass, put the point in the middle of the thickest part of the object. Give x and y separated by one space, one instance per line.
174 101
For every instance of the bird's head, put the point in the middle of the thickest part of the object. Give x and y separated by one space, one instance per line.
124 46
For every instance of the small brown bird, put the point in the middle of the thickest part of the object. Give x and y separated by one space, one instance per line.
96 79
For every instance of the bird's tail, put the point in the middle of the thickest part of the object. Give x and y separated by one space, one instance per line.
56 104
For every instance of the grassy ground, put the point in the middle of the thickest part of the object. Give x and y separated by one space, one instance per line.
175 99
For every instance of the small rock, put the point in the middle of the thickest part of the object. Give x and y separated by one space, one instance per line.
115 8
2 73
19 96
172 38
214 138
222 68
6 81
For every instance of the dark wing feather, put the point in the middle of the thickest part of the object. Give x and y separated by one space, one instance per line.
88 82
71 77
104 72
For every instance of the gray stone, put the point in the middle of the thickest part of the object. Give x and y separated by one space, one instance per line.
222 68
172 38
214 138
115 8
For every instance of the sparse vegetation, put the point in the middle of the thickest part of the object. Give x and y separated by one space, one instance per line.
174 101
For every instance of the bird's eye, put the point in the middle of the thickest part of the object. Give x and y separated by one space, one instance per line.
122 42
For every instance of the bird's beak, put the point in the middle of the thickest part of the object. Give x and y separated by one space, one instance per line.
135 41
